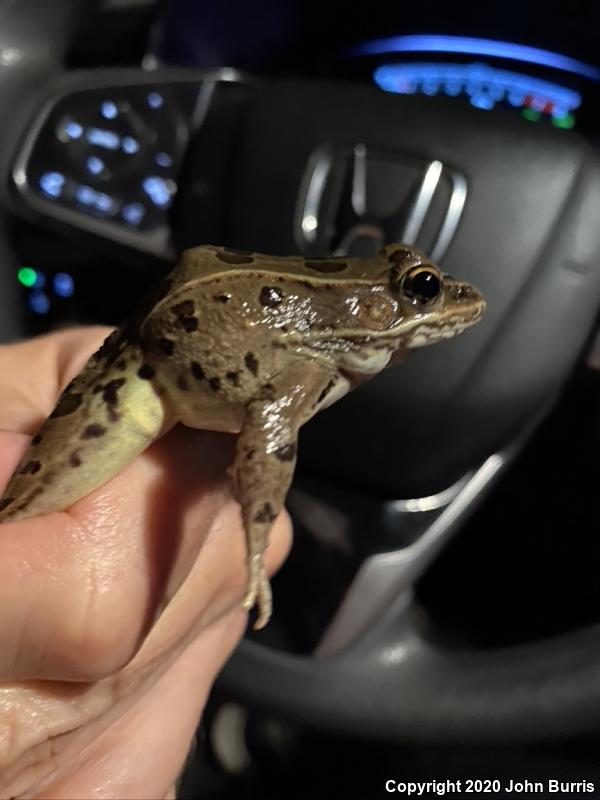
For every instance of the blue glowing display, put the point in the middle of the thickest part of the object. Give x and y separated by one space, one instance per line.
158 190
52 184
482 47
103 138
103 203
130 145
94 165
133 213
72 130
109 110
163 160
39 302
484 85
63 284
155 100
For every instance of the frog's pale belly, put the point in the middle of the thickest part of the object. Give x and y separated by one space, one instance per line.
238 342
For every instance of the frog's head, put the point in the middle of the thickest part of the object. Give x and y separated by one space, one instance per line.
410 303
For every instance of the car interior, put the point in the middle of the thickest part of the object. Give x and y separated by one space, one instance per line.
437 618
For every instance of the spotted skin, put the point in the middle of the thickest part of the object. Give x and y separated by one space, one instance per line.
243 343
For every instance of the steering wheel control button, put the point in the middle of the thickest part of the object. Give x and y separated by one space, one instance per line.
159 190
107 159
133 213
99 202
52 184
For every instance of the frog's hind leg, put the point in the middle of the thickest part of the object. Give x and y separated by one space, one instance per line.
104 418
265 461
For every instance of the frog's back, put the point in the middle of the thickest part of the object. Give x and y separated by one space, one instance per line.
201 263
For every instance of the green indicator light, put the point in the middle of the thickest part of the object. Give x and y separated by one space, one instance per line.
566 122
27 276
530 114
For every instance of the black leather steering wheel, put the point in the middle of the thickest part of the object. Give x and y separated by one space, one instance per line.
282 166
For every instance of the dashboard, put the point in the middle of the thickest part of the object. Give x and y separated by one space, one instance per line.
116 158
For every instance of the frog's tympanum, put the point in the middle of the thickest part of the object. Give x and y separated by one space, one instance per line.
243 343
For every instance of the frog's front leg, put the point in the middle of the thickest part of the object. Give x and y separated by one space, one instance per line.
265 461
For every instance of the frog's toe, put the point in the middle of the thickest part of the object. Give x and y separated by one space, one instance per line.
258 591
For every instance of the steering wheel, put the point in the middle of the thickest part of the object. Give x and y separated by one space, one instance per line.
286 166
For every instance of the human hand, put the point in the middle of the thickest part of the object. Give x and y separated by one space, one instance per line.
117 614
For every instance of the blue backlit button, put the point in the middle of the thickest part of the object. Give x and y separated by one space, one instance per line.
109 110
94 165
133 213
69 131
103 138
98 201
39 302
163 160
63 284
130 145
155 100
159 190
52 184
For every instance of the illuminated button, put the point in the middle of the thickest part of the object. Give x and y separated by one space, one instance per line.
155 100
159 190
99 201
163 160
103 138
63 284
130 145
430 87
52 184
133 213
39 302
69 131
516 98
94 165
109 110
482 101
27 276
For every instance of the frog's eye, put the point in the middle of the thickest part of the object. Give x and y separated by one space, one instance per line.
422 284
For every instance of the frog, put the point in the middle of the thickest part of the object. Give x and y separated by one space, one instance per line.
244 343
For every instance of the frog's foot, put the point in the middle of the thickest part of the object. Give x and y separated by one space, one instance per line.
258 591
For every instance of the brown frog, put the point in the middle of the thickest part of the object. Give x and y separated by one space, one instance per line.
244 343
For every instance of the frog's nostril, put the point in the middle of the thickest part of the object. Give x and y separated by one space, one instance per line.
449 277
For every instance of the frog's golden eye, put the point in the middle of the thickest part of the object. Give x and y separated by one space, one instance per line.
422 284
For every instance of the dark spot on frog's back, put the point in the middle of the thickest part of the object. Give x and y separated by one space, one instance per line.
197 371
6 502
270 296
167 346
234 257
404 257
326 266
233 378
215 384
93 432
37 439
183 309
30 468
68 404
189 324
251 363
75 459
